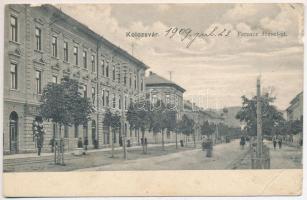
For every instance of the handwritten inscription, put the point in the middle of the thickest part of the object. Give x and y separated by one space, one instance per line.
187 34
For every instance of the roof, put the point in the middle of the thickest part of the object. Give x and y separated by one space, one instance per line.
296 98
155 80
58 12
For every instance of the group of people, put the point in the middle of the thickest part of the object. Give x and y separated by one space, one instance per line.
277 140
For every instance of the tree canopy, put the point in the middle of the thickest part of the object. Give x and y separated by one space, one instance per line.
271 117
63 104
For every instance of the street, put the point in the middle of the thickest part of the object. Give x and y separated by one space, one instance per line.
224 155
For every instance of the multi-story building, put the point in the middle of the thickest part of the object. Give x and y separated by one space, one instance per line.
170 93
165 90
199 115
295 110
42 45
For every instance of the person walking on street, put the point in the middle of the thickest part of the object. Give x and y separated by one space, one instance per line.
242 142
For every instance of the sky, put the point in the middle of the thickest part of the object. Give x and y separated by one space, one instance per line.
215 71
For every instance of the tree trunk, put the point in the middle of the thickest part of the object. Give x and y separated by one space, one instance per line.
125 148
54 142
194 140
176 140
186 140
143 139
112 143
138 132
163 140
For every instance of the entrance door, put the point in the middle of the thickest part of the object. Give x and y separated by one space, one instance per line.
13 132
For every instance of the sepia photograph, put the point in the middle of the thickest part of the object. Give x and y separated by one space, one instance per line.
153 87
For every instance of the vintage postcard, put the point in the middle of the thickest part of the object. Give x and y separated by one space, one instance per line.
174 99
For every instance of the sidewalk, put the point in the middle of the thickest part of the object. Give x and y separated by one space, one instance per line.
34 155
93 158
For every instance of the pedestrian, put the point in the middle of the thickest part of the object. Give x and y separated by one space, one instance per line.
274 142
80 144
242 142
85 143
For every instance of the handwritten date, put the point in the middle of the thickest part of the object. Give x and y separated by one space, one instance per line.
187 34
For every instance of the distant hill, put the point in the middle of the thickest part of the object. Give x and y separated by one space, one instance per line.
230 116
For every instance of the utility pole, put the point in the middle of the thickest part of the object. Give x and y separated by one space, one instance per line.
259 126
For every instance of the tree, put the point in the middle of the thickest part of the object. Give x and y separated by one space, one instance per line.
270 116
207 129
187 126
131 116
63 104
143 119
112 121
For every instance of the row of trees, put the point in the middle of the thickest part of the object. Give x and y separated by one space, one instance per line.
64 105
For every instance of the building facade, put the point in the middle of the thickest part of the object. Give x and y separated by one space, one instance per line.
295 110
171 94
42 45
159 88
200 116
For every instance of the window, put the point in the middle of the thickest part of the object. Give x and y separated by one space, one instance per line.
38 38
107 98
54 79
154 99
119 102
76 131
66 131
125 102
93 63
65 51
102 67
107 70
102 98
93 94
118 75
76 55
141 84
135 82
38 80
130 80
54 46
125 78
14 29
113 73
13 76
84 56
84 91
114 101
